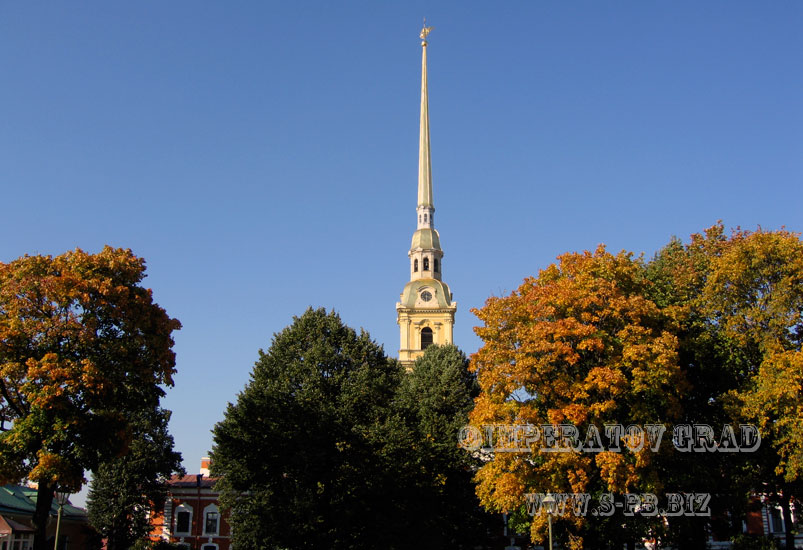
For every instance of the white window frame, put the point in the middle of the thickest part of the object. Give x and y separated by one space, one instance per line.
212 508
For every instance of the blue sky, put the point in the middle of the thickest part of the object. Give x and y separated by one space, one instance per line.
262 156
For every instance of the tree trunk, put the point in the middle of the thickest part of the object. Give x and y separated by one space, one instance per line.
44 499
787 521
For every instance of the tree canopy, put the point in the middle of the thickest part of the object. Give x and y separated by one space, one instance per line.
707 332
82 347
434 400
298 450
126 489
332 445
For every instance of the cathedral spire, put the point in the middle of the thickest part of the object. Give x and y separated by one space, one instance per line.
424 164
426 310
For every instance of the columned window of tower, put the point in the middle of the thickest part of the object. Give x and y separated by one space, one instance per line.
426 264
426 337
415 265
436 265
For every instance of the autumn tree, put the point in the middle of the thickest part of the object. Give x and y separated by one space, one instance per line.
580 344
755 292
754 295
739 300
83 347
126 489
715 366
707 332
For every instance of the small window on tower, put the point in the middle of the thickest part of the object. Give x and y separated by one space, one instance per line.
426 264
436 265
425 218
415 265
426 337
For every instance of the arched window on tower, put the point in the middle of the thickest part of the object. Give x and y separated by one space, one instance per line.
425 218
426 264
415 265
436 265
426 337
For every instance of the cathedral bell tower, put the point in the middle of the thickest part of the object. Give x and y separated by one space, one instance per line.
426 312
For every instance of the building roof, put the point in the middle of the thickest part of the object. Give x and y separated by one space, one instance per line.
192 480
16 499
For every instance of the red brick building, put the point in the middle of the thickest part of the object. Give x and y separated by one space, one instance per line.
191 515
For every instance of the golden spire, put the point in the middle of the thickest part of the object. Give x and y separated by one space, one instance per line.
424 165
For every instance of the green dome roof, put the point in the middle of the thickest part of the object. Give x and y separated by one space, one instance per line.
427 239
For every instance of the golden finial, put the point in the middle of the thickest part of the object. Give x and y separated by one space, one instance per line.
425 31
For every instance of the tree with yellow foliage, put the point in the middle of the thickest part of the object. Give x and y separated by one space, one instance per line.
83 346
755 294
707 332
585 347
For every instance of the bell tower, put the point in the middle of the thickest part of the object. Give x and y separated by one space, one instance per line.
426 311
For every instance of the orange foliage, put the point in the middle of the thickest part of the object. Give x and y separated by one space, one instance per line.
585 347
80 343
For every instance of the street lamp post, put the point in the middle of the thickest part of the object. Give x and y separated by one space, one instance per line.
549 502
61 498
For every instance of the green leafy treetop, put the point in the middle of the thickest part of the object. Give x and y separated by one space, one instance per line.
126 489
298 450
434 400
331 445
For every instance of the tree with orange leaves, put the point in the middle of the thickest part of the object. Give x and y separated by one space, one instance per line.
82 347
707 332
580 344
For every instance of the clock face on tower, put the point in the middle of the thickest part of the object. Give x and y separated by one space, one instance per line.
426 295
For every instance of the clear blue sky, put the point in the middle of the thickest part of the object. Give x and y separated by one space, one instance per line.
262 156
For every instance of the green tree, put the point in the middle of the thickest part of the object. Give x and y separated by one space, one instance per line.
125 489
300 451
434 400
82 347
